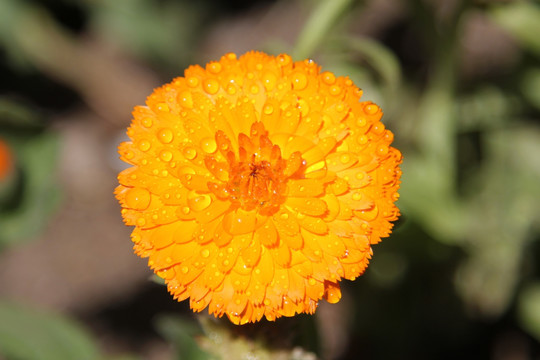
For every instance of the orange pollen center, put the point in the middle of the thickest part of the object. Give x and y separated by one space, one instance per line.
257 173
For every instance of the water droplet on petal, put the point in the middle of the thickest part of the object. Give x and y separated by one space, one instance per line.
335 90
333 294
269 81
205 253
211 86
189 152
165 135
144 145
147 122
268 109
193 82
328 78
361 121
165 155
209 145
303 107
371 109
198 202
284 59
299 81
185 99
138 198
163 107
345 158
378 128
362 139
231 89
214 67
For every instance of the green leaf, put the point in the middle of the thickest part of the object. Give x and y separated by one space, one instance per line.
321 20
16 116
181 333
29 334
380 58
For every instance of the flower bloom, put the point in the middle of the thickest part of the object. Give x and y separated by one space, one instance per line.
6 160
257 184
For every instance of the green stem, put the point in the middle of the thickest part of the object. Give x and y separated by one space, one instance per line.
317 26
436 130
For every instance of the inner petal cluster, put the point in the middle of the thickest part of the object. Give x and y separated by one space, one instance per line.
257 174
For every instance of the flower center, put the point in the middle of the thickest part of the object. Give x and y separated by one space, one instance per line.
257 174
256 184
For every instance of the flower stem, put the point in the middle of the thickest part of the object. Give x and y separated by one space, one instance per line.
317 26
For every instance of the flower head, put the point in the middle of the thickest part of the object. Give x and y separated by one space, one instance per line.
257 184
6 160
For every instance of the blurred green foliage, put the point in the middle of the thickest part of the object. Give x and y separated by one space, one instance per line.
467 249
161 33
26 333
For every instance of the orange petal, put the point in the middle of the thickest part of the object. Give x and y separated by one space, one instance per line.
309 206
332 292
314 225
239 222
252 253
304 188
267 234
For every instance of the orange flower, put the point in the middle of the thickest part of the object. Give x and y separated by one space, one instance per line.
6 160
257 184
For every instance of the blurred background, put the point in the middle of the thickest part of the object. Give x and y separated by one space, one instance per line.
459 82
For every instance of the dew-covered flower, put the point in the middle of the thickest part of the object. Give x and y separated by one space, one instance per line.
257 184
